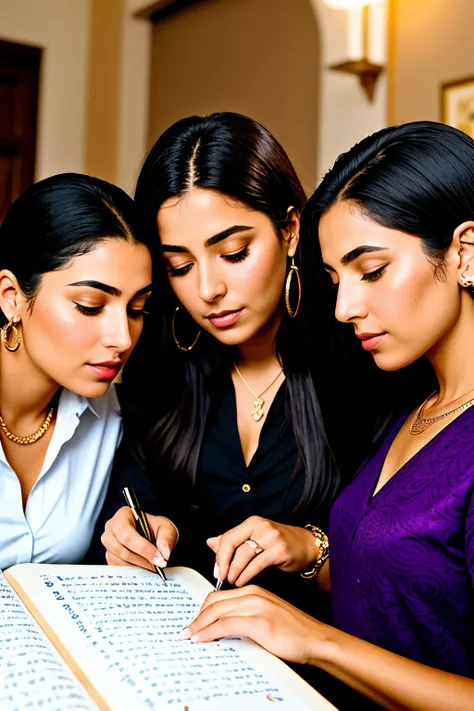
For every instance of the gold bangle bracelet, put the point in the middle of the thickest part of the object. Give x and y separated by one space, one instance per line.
322 542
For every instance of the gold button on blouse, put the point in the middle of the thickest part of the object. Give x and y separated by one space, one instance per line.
246 488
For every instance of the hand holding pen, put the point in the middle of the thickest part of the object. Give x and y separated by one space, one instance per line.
141 522
126 545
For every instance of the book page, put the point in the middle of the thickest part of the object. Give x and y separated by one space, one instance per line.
32 674
123 626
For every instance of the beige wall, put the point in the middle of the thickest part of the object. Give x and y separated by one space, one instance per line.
258 57
61 27
430 43
103 94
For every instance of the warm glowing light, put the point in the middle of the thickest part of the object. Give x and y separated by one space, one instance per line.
348 4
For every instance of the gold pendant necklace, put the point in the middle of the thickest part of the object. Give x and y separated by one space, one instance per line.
257 412
419 423
29 439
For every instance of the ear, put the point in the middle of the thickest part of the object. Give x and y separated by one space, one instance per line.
463 243
11 297
292 230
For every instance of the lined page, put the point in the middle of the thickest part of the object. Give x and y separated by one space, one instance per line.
32 675
124 625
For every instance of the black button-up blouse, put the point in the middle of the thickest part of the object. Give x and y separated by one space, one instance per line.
227 492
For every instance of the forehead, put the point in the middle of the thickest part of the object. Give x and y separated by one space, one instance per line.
201 213
117 262
344 228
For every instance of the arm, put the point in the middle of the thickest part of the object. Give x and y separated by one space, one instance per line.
395 683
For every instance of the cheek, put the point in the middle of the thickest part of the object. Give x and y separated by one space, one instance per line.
262 274
61 326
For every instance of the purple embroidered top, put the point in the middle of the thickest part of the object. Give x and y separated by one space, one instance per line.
402 561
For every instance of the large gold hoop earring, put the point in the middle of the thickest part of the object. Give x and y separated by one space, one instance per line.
10 335
182 348
293 271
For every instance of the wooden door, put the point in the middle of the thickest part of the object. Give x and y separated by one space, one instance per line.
19 79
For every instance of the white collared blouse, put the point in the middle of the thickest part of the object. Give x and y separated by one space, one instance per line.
64 503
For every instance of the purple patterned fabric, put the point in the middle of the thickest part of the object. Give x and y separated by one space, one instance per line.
402 562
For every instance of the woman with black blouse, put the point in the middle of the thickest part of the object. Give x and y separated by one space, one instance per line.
228 439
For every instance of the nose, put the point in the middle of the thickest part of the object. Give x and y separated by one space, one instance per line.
349 303
116 334
211 285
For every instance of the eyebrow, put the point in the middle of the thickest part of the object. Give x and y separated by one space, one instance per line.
112 290
356 253
215 239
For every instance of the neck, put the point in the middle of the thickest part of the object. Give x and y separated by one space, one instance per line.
25 392
450 357
259 352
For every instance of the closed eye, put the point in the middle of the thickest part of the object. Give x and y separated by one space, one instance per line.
178 271
376 274
237 256
95 310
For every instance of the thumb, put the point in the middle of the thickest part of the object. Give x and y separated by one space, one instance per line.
166 536
213 543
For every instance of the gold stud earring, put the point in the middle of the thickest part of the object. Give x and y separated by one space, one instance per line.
10 334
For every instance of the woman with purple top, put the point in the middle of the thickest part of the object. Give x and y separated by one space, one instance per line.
395 223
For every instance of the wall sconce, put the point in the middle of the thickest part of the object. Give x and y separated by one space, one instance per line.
367 71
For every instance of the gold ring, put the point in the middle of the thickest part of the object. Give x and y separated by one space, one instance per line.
255 546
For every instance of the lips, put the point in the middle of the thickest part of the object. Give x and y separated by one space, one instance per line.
223 319
106 370
370 340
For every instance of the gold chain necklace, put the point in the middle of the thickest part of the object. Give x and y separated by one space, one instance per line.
30 439
419 423
257 412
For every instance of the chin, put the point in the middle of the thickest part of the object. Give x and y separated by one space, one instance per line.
391 362
90 390
232 337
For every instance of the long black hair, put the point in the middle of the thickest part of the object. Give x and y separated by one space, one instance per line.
60 218
417 178
235 156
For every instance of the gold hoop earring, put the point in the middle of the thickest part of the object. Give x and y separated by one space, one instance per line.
293 271
182 348
9 330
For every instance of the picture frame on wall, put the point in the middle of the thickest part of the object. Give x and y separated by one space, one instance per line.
457 104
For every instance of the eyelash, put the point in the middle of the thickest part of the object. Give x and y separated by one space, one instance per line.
95 310
376 274
231 258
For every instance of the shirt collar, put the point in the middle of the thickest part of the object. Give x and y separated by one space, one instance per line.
77 404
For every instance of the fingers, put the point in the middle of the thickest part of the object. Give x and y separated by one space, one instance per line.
254 567
121 539
230 541
122 556
228 613
213 543
166 538
224 627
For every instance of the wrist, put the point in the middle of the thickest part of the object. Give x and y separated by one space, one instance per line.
325 647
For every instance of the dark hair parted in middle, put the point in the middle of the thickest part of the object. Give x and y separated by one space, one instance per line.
236 157
416 178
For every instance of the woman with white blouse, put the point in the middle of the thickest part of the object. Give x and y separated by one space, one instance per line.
75 275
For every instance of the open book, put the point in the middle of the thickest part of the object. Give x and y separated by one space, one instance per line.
78 638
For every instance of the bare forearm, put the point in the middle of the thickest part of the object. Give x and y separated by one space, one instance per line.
392 681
